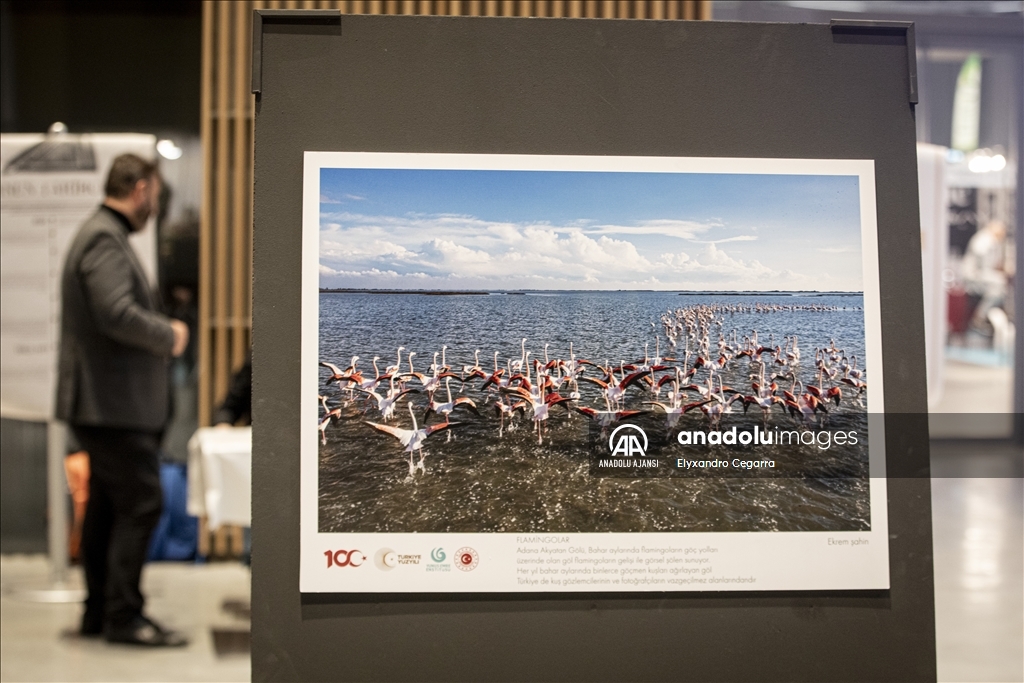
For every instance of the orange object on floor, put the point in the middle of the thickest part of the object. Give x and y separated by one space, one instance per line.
76 469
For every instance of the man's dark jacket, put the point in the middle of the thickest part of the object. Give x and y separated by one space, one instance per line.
114 345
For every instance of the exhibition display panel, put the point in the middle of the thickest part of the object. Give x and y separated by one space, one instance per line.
603 336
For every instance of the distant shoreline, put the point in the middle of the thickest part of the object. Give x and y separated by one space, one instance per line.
486 292
423 292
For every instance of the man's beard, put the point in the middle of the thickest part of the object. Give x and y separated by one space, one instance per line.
141 215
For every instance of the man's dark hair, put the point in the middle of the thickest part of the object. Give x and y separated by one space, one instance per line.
126 171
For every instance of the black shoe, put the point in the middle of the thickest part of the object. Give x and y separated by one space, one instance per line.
143 631
92 627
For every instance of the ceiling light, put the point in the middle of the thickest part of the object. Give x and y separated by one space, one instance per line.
168 150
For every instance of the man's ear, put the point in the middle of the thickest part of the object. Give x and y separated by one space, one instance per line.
141 188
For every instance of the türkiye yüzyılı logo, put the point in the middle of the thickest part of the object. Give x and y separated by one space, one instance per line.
386 559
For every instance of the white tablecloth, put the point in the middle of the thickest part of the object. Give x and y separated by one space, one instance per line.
220 475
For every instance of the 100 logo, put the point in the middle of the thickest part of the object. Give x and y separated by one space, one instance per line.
344 558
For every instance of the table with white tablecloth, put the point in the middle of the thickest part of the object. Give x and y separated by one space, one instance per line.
220 476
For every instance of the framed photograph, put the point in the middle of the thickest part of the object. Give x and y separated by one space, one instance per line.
590 374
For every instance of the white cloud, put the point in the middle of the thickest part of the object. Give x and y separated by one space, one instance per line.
459 251
738 238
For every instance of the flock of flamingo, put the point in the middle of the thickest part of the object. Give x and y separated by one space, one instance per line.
690 375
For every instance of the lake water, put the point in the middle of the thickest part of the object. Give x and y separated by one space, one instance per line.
478 481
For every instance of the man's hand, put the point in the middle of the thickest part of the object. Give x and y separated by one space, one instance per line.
180 337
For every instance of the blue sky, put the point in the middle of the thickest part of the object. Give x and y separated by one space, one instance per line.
429 229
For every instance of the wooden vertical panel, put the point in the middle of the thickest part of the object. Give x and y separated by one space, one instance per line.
207 140
226 130
241 190
220 278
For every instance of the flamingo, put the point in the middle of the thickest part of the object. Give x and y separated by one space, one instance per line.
339 375
447 408
615 391
397 367
413 438
675 410
509 409
605 418
386 404
535 398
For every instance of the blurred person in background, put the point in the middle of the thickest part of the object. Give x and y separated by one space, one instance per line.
113 392
984 272
237 405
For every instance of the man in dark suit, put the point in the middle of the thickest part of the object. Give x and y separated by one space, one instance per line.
113 392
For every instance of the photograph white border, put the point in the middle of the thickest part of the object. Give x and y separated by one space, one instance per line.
742 561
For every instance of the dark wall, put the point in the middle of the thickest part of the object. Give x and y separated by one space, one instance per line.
22 486
101 66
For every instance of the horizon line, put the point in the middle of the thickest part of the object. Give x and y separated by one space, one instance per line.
524 290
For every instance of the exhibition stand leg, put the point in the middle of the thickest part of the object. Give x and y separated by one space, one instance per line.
61 586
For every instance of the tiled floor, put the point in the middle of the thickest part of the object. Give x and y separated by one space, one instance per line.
979 575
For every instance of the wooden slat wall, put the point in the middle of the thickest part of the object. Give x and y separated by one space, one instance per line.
225 251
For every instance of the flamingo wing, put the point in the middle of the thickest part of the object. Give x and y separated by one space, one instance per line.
400 434
696 404
332 367
633 378
598 382
439 427
465 401
518 391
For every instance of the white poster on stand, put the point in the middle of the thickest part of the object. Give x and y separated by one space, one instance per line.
49 185
586 374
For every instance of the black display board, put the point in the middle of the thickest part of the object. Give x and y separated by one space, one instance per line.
583 87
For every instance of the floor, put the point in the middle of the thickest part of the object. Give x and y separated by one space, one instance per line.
976 402
979 576
37 641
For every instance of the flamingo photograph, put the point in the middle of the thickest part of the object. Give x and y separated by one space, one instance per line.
480 331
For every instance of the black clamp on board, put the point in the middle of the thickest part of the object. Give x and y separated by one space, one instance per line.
281 16
884 28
